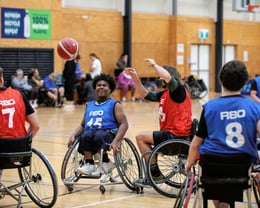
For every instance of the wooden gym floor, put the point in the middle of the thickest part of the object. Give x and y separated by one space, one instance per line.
56 126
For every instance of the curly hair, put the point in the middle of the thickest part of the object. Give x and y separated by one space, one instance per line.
233 75
107 78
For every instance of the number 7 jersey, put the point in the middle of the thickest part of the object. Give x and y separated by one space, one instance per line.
12 114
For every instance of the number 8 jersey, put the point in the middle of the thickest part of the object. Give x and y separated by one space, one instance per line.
232 126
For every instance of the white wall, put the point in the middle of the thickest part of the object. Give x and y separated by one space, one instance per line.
199 8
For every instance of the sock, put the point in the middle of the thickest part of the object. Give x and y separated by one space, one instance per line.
90 161
155 170
105 158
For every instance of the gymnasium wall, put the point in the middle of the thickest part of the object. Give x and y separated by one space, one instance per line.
153 35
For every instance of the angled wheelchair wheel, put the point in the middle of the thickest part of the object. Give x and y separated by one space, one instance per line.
72 160
171 156
181 195
256 192
185 191
41 179
128 164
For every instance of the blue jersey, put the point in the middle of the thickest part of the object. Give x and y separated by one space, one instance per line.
101 115
232 126
257 79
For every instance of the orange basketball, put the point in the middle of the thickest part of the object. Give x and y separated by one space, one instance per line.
68 48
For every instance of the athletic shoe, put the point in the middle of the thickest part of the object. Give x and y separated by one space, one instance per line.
124 99
86 169
156 173
107 167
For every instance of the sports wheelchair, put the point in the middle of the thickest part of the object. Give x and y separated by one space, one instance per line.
220 177
126 167
171 156
196 87
37 177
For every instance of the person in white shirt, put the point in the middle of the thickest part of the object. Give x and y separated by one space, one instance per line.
96 66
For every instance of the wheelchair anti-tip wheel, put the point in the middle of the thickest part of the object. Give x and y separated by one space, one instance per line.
170 156
41 179
128 164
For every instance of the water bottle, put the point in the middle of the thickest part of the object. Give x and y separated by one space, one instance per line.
26 22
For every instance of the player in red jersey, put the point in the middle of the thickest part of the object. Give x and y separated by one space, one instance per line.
175 112
15 112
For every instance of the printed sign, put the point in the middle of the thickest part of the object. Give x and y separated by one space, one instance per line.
21 23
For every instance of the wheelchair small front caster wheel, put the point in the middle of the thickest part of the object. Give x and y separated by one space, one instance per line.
69 188
102 189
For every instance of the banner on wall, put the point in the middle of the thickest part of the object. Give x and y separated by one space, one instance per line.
25 23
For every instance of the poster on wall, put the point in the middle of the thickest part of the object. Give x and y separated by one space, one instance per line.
25 23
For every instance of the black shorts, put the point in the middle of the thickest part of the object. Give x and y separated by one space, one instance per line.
161 136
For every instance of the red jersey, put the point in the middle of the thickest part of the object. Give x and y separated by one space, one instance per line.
179 115
12 114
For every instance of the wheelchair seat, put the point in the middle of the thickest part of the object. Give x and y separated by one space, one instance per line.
15 152
37 177
224 177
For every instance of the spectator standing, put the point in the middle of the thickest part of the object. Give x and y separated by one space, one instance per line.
126 83
121 64
79 74
96 66
69 77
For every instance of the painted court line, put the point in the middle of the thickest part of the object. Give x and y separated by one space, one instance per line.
103 202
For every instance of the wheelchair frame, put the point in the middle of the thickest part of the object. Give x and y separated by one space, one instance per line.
193 185
126 167
171 156
37 177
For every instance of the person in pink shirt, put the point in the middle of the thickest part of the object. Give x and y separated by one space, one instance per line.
125 83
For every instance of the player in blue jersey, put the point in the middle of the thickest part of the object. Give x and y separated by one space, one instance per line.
103 126
255 89
228 124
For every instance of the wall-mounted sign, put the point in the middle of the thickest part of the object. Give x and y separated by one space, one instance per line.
25 23
203 34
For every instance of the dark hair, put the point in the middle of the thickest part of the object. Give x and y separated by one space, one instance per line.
31 72
123 54
233 75
173 72
94 55
88 77
107 78
78 57
1 72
